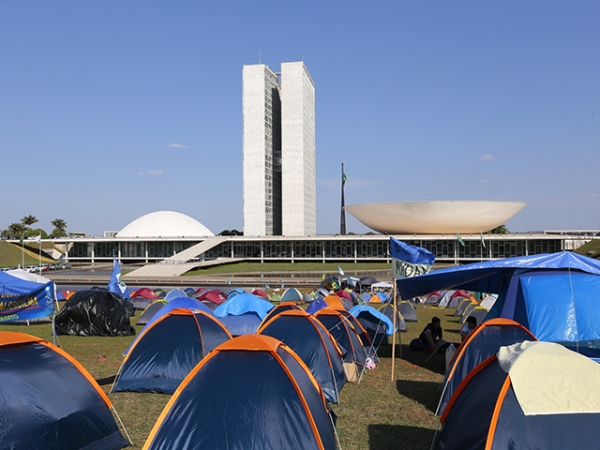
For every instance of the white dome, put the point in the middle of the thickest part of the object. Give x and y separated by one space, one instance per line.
164 224
435 217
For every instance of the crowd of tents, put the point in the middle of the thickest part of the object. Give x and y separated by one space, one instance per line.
290 363
525 378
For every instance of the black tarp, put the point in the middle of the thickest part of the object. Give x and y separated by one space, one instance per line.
95 312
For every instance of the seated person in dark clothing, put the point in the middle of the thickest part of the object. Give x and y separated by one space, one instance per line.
431 336
470 325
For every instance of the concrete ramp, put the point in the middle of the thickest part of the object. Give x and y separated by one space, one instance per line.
179 263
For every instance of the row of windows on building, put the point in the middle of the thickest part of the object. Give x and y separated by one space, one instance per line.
376 249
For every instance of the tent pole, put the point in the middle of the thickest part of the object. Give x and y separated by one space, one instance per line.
122 425
394 330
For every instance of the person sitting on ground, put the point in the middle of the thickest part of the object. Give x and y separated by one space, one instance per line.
431 335
470 325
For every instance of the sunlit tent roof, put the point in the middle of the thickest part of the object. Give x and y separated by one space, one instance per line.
491 276
313 344
50 401
168 350
532 395
266 398
479 345
164 224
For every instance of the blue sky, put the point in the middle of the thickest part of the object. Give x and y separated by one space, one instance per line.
113 109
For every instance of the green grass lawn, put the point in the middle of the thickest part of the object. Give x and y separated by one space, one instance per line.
275 267
11 254
380 413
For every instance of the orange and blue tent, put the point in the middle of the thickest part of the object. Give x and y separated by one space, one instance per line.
50 401
167 350
281 307
309 339
250 392
483 342
346 335
531 395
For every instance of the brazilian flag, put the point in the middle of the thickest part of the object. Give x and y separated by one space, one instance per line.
344 178
460 239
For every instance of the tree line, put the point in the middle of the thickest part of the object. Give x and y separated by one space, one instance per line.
24 229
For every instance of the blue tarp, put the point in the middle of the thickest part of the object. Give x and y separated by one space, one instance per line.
242 304
24 300
492 276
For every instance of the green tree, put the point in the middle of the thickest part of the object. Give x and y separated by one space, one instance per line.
35 232
499 230
28 221
60 228
16 230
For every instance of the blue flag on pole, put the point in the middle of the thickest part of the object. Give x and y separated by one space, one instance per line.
409 253
408 260
116 284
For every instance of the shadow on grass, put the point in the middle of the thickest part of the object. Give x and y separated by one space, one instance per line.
106 381
452 331
384 437
434 363
424 392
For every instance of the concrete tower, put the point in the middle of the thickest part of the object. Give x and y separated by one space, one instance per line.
298 142
279 151
261 105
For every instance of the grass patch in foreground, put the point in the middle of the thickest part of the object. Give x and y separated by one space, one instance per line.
378 414
275 267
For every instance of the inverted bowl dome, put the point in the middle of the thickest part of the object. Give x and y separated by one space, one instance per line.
439 217
164 224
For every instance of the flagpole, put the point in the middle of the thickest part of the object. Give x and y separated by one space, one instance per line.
22 252
394 330
40 255
343 211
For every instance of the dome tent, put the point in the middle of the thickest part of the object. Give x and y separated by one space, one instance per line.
259 379
530 395
479 345
313 344
50 401
156 364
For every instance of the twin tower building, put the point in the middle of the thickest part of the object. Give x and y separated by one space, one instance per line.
279 151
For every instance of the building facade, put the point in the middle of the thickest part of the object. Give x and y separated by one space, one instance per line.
279 151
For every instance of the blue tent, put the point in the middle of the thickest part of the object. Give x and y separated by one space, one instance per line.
246 323
242 304
555 296
250 392
175 293
316 305
377 324
313 344
156 364
492 276
179 303
50 401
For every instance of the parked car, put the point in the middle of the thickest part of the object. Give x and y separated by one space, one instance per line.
65 266
31 268
54 266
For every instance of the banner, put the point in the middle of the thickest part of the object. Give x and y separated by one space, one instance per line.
408 260
32 305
